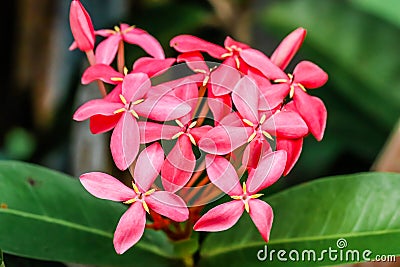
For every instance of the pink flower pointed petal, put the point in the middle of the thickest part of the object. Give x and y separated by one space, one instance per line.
152 66
163 108
274 95
125 141
135 86
101 124
130 228
231 42
313 112
107 49
268 171
261 62
293 149
179 165
220 218
222 140
253 153
81 26
194 60
104 186
96 107
223 79
220 106
262 215
189 43
245 96
199 132
289 46
146 41
169 205
101 72
151 131
309 75
286 123
223 175
148 166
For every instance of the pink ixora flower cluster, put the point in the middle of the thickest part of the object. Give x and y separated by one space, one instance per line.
260 115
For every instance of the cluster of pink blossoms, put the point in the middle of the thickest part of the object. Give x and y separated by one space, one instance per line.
260 117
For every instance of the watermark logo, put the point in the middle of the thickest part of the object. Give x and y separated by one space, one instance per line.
338 253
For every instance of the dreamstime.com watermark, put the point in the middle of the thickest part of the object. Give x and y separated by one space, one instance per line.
340 253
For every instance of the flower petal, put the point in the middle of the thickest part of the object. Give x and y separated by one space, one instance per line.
262 215
148 166
313 112
261 62
96 107
220 218
135 86
289 46
309 75
81 26
107 49
268 171
223 79
101 124
162 108
169 205
287 124
146 41
101 72
229 42
152 66
125 141
220 106
246 96
130 228
104 186
179 165
189 43
293 149
151 131
222 174
254 152
199 132
195 61
222 140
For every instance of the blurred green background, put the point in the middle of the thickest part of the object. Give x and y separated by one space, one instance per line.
355 41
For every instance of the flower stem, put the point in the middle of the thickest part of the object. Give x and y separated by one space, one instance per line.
121 57
92 61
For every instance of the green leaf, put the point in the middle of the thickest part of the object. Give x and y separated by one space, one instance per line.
1 259
388 9
360 208
48 215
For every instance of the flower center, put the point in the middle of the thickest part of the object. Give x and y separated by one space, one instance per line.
140 197
128 106
291 83
245 197
185 129
257 129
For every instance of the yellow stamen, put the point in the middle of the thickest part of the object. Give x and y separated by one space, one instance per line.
129 29
263 118
266 134
302 87
229 48
176 135
206 79
237 62
135 188
280 81
138 101
291 93
130 201
116 79
226 55
151 191
192 124
236 197
256 195
290 76
125 70
252 136
200 71
134 114
192 139
146 208
180 124
119 110
117 29
244 188
246 206
123 99
248 122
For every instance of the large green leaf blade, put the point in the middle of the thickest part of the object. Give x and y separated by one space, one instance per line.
361 208
48 215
